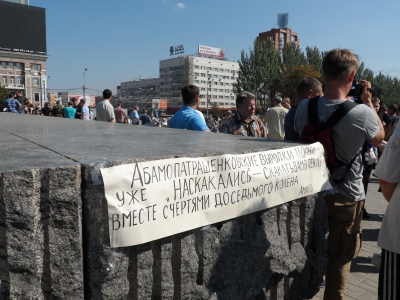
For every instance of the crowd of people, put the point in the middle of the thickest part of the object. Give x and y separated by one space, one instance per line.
362 131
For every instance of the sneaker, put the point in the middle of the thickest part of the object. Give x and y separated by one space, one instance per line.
365 214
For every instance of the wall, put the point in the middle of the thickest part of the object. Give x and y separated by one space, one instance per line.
54 226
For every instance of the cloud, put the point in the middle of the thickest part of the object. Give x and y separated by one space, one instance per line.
181 5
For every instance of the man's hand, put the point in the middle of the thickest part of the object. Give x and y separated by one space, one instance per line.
366 95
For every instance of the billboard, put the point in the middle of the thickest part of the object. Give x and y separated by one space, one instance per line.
211 52
23 28
159 104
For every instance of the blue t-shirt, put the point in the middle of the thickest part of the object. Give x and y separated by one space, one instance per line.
12 105
133 115
188 118
69 112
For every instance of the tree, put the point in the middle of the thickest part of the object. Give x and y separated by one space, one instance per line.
3 93
257 70
314 57
295 75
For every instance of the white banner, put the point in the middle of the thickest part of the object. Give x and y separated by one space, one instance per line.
155 199
211 52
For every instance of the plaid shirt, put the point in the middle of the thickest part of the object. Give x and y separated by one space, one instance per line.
119 115
236 126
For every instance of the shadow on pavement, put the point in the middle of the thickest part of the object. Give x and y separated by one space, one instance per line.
363 265
370 235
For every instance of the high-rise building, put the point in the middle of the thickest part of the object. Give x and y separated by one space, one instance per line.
23 50
214 77
280 36
26 2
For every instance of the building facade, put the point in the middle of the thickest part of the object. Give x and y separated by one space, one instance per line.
281 37
25 72
215 79
26 2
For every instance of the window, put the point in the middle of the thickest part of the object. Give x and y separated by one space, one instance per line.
196 74
227 71
4 79
19 80
208 68
215 69
202 96
3 64
214 96
196 67
227 91
215 76
202 103
203 82
35 67
221 70
35 81
215 90
215 83
221 90
221 97
11 65
226 97
203 89
221 76
203 68
36 97
233 71
11 80
221 103
196 81
18 65
221 83
232 78
203 75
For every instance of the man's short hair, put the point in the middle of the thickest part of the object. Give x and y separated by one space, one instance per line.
308 83
277 99
375 99
83 100
338 64
119 104
11 95
145 111
189 94
243 96
70 103
136 108
107 94
393 108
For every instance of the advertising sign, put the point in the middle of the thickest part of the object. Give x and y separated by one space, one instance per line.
212 52
176 50
155 199
159 103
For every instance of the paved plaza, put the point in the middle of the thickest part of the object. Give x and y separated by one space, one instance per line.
363 280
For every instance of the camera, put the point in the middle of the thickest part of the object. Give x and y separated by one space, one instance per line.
356 90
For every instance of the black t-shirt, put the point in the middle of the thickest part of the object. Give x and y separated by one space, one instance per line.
145 119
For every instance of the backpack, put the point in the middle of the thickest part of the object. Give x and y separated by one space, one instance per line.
322 132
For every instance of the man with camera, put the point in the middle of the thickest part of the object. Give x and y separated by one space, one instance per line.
345 200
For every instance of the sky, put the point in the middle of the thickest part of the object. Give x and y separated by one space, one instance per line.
120 40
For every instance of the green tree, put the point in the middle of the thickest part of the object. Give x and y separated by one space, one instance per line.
295 75
257 70
314 57
3 93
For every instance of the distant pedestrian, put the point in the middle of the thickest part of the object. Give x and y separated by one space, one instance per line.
145 118
85 114
22 100
275 118
58 109
69 111
286 103
11 105
134 115
104 110
119 113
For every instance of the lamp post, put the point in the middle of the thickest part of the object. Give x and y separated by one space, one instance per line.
84 82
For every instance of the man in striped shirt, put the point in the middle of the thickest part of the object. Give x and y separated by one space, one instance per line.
244 122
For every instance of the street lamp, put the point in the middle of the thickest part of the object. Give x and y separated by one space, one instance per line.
84 82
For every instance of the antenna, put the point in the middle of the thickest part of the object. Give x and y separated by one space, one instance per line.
283 20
